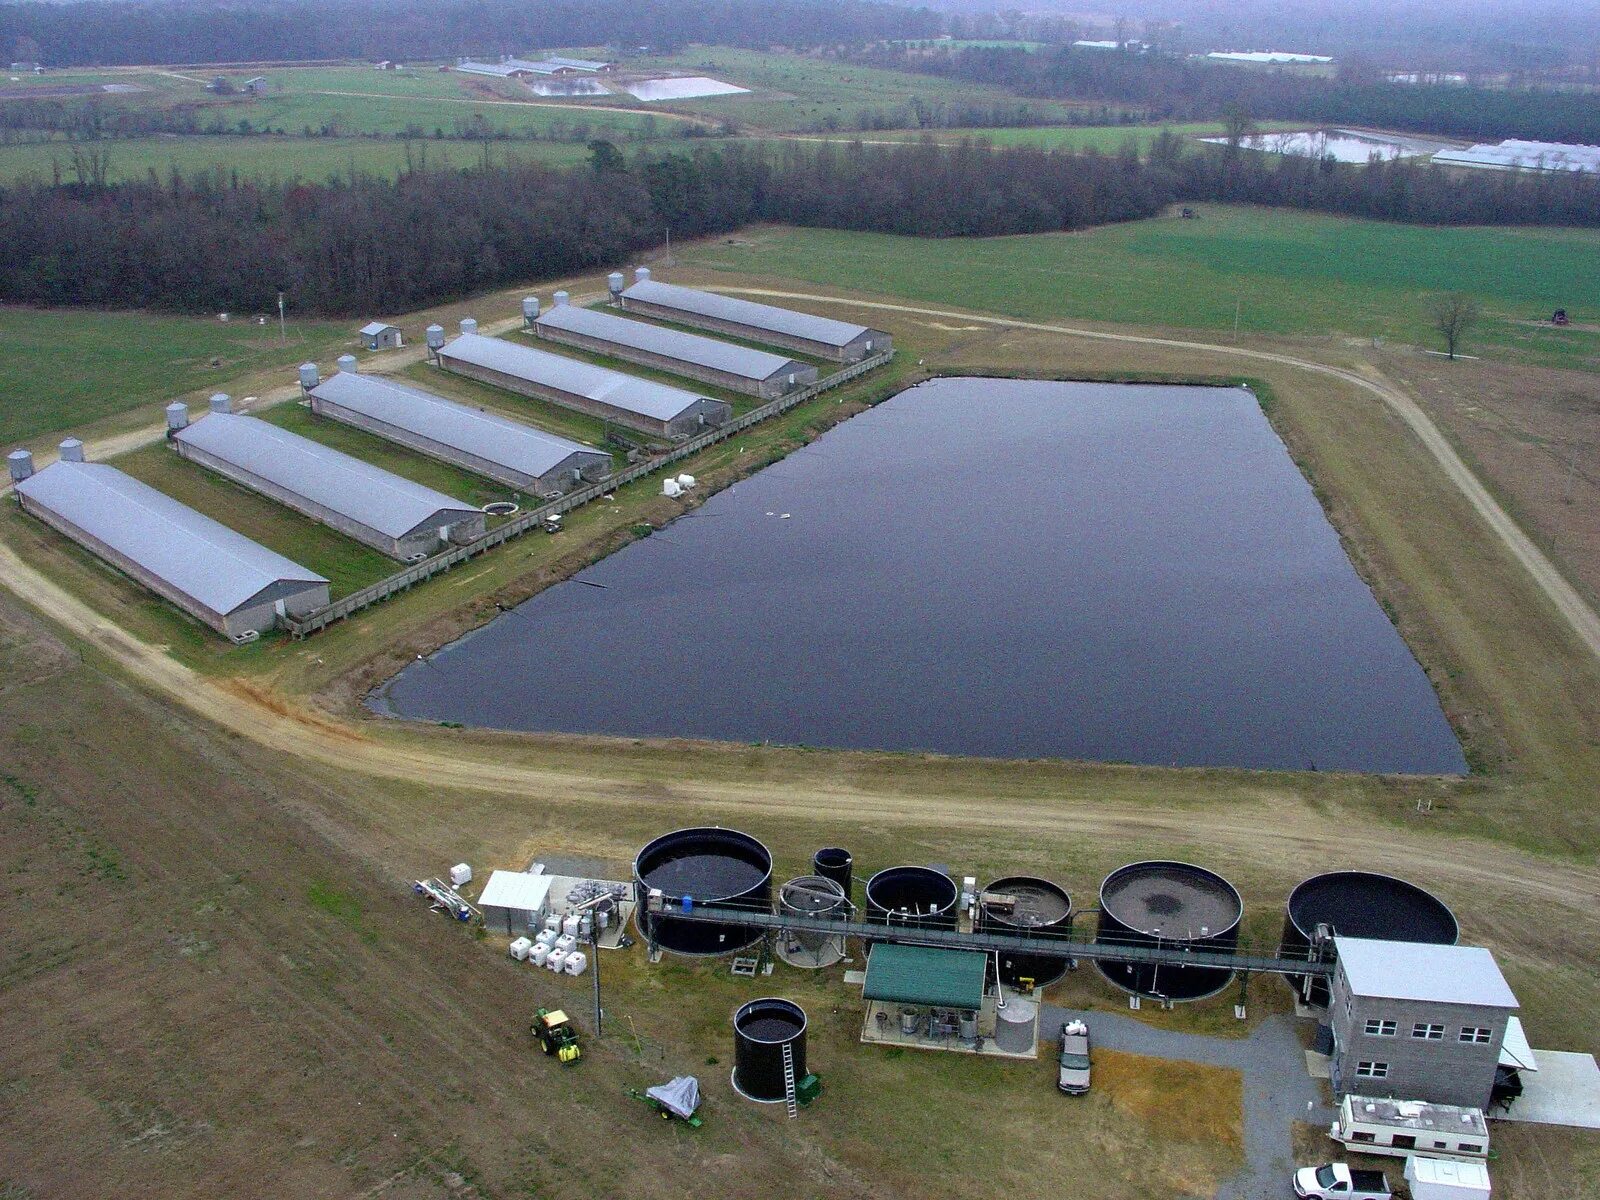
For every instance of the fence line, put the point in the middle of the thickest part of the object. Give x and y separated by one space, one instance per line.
402 580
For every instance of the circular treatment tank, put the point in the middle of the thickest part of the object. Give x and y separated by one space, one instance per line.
1022 904
761 1029
811 896
1362 904
709 866
835 863
920 897
1173 906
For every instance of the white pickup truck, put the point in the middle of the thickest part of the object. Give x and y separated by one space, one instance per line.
1336 1181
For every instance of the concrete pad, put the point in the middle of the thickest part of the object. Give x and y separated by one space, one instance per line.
1318 1066
1565 1090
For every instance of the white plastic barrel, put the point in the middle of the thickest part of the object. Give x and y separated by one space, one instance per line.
555 959
571 925
686 481
669 487
538 954
519 948
576 962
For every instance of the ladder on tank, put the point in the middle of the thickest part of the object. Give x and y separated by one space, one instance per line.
788 1081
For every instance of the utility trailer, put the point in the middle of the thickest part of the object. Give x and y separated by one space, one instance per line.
1378 1125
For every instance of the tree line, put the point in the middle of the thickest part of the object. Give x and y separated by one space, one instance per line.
120 32
1171 88
367 245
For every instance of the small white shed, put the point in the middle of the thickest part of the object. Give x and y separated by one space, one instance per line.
378 336
513 901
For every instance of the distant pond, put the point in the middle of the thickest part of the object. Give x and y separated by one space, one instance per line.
1006 568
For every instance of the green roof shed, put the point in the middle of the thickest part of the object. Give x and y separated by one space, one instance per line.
928 975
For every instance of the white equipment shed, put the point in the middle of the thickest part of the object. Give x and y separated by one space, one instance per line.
514 901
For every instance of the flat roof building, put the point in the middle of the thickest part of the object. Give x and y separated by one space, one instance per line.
738 368
222 578
642 404
375 507
821 336
486 444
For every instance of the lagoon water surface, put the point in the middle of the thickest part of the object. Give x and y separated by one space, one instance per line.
985 567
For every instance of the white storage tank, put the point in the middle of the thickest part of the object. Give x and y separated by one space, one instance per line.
576 962
555 959
571 925
519 948
1014 1026
459 874
553 923
686 481
670 487
538 954
566 942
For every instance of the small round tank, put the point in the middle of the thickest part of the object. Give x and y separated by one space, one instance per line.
920 897
835 863
1022 904
468 327
703 866
1361 904
1015 1026
1172 906
761 1029
811 896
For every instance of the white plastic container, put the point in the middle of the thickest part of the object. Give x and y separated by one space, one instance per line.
538 954
553 923
686 482
519 948
547 938
669 487
571 925
566 942
575 963
555 959
459 874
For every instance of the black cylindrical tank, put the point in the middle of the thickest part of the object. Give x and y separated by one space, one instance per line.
835 863
761 1029
1361 904
1022 904
1173 906
920 897
703 866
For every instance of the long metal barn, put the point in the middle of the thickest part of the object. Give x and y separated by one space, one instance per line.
396 516
219 577
639 403
738 368
821 336
493 446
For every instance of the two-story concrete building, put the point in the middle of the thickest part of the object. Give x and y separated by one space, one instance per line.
1417 1022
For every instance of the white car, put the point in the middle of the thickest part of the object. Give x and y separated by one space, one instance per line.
1073 1078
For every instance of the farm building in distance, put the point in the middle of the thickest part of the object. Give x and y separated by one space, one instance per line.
821 336
220 577
495 447
396 516
640 403
738 368
377 336
1515 154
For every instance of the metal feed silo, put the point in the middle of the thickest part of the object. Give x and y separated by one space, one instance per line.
1172 906
761 1030
706 865
1022 904
835 863
1361 904
917 897
811 896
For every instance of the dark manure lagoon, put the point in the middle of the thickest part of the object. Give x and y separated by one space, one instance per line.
1007 568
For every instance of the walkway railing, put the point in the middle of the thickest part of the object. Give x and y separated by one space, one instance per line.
403 580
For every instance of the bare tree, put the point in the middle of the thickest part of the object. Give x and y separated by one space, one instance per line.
1452 315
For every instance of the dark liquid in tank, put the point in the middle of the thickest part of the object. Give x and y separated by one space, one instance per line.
712 876
769 1029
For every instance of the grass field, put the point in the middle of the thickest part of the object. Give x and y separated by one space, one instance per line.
1283 272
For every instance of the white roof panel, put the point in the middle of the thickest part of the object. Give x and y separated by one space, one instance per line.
199 557
515 889
746 312
655 400
1515 1050
1415 971
495 439
375 327
671 343
336 481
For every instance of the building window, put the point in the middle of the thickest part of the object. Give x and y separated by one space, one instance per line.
1372 1070
1379 1028
1478 1035
1427 1032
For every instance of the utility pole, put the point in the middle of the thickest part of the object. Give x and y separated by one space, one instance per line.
594 967
283 329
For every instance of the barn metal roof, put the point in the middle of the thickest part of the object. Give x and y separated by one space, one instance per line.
373 328
655 400
746 312
672 343
903 974
204 560
515 889
358 490
495 439
1415 971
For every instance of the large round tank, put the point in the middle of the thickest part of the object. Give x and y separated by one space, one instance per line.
835 863
706 866
920 897
1174 906
811 896
1361 904
1016 1026
1022 904
761 1029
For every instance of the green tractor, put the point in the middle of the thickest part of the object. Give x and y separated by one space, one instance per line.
556 1035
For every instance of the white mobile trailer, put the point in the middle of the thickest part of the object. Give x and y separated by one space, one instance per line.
1379 1125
